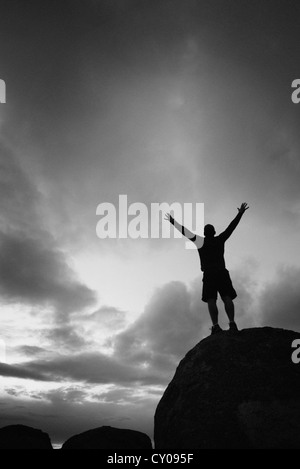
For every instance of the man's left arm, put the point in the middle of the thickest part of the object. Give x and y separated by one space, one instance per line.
232 226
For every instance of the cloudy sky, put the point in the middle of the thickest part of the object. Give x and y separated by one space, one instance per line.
164 101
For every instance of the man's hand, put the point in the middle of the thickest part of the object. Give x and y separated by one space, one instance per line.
169 218
243 208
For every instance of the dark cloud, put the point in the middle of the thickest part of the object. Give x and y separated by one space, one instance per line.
32 268
35 272
66 337
279 302
108 316
123 395
20 371
32 350
69 394
90 367
96 368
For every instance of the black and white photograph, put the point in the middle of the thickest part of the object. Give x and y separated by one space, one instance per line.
149 227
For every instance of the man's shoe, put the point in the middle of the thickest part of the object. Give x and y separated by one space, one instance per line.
233 327
216 329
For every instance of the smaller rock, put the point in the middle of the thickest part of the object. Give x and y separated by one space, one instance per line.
109 438
23 437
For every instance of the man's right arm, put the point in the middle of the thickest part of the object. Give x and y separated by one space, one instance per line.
185 231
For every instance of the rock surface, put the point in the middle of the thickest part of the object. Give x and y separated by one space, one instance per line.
23 437
109 438
233 391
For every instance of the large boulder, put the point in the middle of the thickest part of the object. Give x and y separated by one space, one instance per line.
237 390
23 437
109 438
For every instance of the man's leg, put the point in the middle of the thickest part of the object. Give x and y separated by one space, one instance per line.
229 307
213 310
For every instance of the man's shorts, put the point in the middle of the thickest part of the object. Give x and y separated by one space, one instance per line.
217 281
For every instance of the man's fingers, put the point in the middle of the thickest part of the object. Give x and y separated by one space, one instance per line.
243 207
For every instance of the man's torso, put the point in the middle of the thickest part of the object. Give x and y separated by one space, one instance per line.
212 255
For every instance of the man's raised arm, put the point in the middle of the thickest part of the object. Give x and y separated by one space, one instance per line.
232 226
191 236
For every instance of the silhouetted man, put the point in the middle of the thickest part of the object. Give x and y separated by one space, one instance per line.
216 277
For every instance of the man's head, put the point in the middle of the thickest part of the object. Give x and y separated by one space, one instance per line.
209 231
